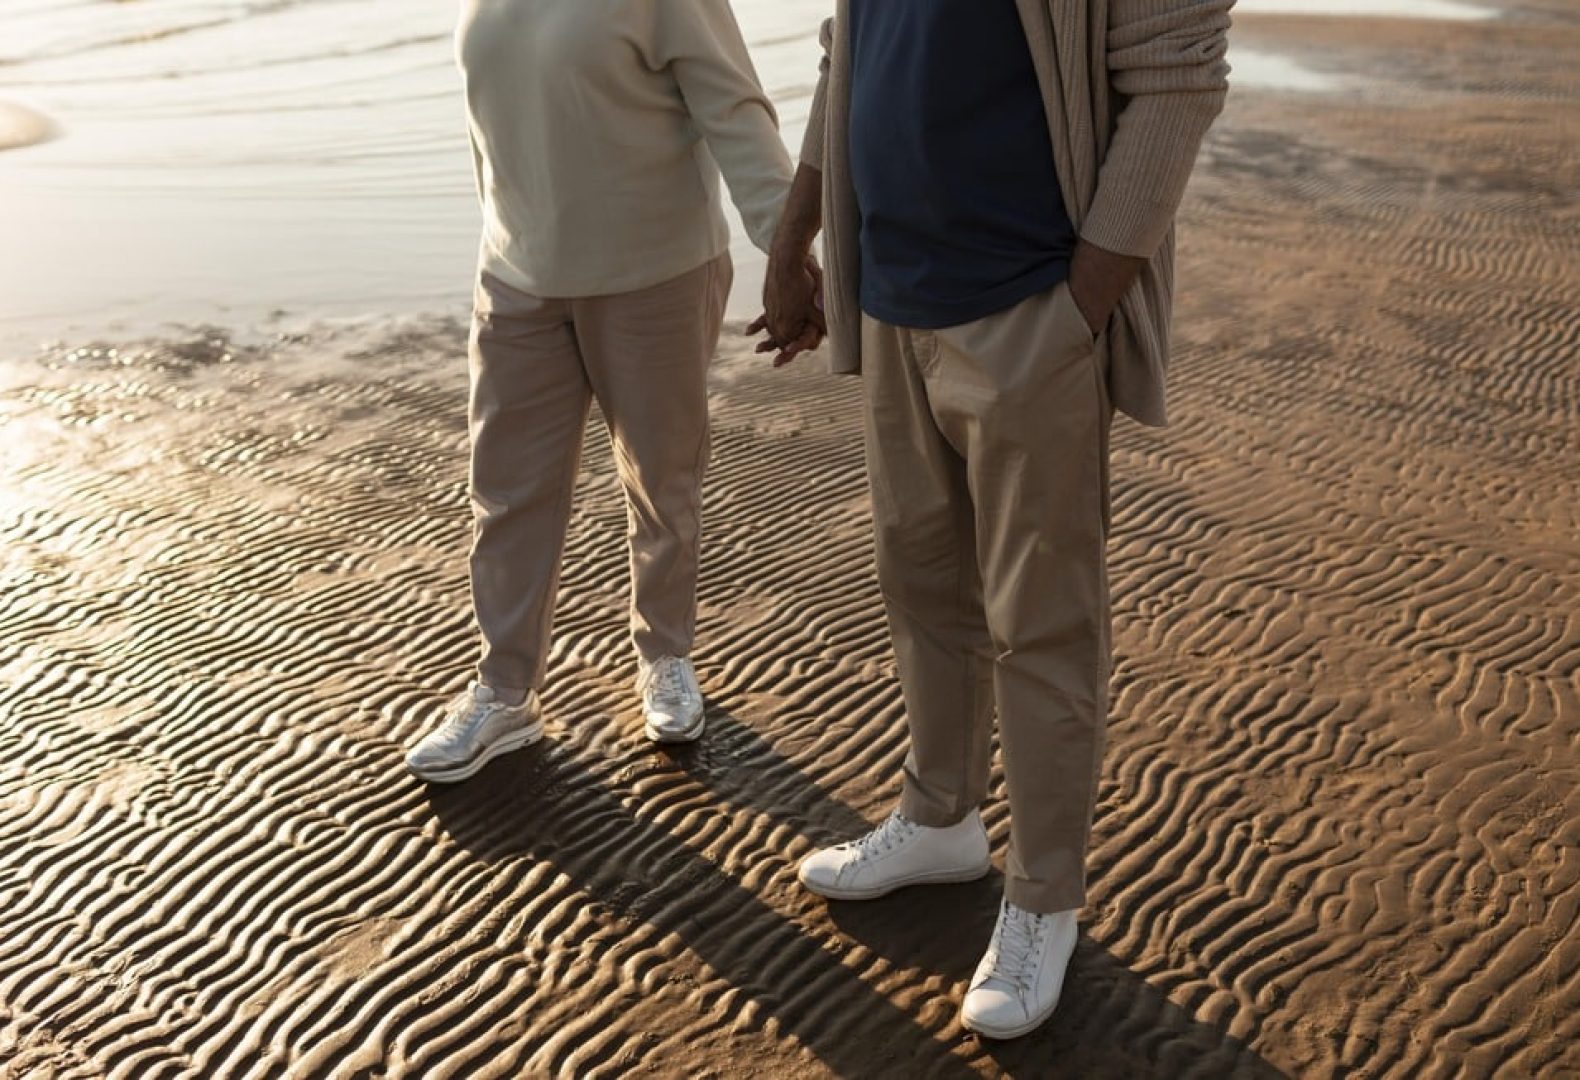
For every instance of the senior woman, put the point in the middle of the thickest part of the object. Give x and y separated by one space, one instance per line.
599 130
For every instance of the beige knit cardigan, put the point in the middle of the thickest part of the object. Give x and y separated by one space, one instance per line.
1130 88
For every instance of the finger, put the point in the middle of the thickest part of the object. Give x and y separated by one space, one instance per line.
758 325
789 354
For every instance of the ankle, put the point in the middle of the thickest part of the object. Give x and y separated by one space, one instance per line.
507 695
928 818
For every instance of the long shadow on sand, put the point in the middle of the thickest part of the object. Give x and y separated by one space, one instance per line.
1110 1024
532 807
741 768
528 804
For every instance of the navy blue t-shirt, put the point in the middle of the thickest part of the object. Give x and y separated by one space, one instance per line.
961 214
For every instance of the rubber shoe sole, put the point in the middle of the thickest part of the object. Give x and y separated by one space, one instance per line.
514 741
988 1031
668 738
1016 1032
937 877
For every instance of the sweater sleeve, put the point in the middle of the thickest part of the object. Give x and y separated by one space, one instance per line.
701 43
1166 63
812 146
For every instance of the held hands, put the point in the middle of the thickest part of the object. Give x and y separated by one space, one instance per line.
792 318
793 321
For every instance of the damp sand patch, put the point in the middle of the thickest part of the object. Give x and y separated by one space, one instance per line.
1272 71
21 126
1439 10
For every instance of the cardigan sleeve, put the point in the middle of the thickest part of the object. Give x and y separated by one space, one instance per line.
1166 64
702 44
814 145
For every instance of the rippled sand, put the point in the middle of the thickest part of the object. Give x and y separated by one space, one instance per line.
1339 817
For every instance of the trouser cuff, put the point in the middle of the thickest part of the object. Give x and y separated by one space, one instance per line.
1045 898
506 681
929 813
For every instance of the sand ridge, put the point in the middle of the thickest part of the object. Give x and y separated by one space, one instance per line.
1338 822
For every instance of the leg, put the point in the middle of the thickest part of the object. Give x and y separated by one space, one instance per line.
528 412
927 569
1024 392
647 356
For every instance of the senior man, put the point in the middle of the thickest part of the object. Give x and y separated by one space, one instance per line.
997 182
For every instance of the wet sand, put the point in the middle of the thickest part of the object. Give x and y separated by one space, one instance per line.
20 126
276 162
1338 827
281 162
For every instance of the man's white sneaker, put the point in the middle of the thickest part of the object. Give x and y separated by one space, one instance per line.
671 700
477 728
1018 982
896 854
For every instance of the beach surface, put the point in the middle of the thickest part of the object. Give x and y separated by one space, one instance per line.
1338 831
274 164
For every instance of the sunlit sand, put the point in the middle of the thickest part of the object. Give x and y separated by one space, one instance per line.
1341 800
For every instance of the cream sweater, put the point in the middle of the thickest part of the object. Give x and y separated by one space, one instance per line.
1130 87
599 129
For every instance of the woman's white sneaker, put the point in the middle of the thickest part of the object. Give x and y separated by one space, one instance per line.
896 854
477 727
1018 983
672 701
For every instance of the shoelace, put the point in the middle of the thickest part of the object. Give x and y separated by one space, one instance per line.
667 678
466 711
1017 941
894 831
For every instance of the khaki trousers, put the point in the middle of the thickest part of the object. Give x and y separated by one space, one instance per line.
536 367
987 446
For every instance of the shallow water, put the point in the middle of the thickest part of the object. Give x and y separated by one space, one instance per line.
221 160
237 161
1403 9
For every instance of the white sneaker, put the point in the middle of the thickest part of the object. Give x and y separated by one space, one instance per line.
898 853
671 700
477 728
1017 984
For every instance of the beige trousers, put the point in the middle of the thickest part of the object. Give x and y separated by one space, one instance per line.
536 367
987 446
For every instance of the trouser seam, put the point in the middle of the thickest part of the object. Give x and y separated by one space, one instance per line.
968 658
960 805
699 465
1103 628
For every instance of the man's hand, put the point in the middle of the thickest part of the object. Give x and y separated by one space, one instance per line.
793 316
793 289
1099 279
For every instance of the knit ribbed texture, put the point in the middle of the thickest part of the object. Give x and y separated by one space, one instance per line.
600 132
1130 87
